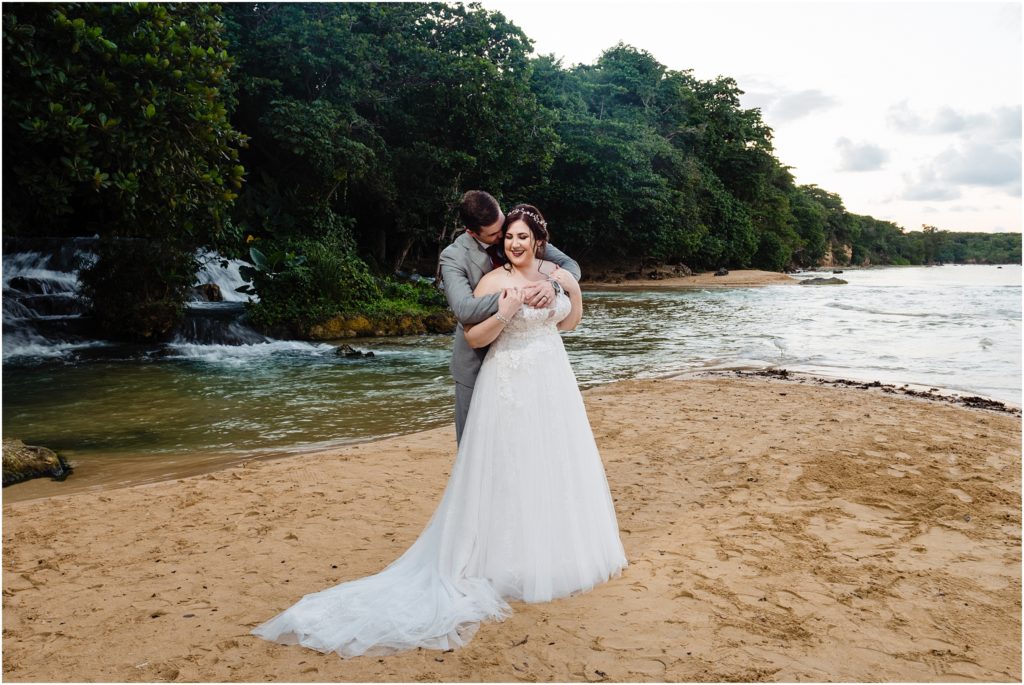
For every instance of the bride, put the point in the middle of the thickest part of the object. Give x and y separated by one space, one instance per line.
527 514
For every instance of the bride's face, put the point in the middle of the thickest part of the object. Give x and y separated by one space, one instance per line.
520 245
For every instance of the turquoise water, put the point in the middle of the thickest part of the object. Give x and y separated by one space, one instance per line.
124 415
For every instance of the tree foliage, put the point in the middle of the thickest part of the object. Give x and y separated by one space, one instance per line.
116 122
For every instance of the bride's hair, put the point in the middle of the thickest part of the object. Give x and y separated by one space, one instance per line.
532 217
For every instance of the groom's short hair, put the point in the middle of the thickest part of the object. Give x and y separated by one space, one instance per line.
478 209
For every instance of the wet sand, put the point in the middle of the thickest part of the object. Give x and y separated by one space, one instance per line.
775 530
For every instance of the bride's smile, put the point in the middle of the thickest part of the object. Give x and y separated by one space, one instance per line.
520 245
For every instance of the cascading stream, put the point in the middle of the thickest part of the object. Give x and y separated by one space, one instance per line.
46 317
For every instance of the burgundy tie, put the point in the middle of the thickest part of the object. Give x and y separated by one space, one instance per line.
492 252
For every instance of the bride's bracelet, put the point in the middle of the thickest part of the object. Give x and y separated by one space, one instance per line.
502 319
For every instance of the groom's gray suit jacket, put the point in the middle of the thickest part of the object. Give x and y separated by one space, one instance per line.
463 264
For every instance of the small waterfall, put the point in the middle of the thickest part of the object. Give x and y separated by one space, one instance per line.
216 313
223 273
217 323
44 315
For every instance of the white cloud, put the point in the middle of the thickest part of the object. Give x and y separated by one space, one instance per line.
902 119
780 105
796 105
980 164
971 164
933 191
860 156
948 121
998 124
927 186
1007 123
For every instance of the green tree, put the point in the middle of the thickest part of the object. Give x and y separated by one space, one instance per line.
382 114
810 217
932 243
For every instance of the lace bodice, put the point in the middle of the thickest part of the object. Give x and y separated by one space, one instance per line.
531 322
532 334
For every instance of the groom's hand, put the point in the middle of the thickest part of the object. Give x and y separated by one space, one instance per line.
539 295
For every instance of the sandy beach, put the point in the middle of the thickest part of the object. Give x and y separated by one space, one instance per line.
746 278
776 530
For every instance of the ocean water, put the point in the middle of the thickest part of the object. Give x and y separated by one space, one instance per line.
952 327
127 416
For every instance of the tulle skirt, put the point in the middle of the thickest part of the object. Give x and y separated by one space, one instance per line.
527 515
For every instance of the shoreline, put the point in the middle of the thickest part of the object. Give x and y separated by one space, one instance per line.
739 278
775 531
39 488
913 390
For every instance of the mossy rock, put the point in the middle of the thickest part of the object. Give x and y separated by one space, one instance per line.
441 322
342 327
361 326
24 462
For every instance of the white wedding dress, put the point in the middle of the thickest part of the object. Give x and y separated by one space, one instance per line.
527 515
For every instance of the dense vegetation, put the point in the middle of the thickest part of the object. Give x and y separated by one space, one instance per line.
356 127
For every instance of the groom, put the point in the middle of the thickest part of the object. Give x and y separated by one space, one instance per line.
463 264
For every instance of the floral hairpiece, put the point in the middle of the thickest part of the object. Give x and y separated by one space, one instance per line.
523 212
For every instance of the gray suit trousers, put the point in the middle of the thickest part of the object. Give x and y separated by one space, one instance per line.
463 397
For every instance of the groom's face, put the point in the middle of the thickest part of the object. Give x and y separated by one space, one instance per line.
489 235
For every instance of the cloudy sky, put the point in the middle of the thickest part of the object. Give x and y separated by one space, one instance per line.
911 111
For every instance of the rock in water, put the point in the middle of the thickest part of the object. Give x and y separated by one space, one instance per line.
351 353
208 292
23 462
823 281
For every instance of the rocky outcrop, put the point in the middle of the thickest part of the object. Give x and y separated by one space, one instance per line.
652 273
23 462
830 258
823 281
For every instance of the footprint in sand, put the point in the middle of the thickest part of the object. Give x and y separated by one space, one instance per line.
898 471
961 495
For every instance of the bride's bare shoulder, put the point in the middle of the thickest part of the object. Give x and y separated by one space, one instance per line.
546 267
492 282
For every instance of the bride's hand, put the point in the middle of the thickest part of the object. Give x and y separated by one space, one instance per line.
510 302
539 295
565 279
